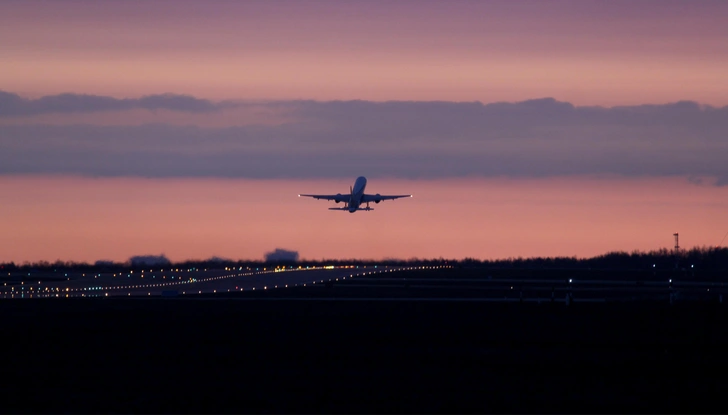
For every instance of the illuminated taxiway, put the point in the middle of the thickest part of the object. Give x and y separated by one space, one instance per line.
178 282
352 283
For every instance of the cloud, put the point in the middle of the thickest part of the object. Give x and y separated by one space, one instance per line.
281 255
14 105
344 139
219 260
141 260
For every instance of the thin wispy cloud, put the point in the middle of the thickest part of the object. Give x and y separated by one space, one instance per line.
14 105
534 138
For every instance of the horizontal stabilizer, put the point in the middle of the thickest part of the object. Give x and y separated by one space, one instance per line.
366 208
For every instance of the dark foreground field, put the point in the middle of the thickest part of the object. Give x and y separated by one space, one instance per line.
183 355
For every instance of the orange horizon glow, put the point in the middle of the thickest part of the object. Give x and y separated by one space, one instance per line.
89 219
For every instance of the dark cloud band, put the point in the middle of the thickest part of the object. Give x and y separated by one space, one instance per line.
14 105
536 138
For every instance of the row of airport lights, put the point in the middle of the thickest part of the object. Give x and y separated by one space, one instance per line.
59 293
191 280
50 291
96 276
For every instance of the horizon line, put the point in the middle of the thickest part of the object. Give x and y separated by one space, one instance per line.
213 258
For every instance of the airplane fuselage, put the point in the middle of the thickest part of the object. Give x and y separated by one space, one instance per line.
356 193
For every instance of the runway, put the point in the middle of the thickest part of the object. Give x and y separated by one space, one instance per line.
374 283
185 282
446 284
430 339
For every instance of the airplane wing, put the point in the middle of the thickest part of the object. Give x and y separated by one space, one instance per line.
378 198
339 197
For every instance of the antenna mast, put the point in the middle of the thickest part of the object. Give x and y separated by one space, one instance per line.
677 245
677 249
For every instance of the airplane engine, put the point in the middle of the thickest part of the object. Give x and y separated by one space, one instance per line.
377 201
338 198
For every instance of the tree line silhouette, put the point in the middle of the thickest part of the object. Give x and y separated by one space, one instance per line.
703 258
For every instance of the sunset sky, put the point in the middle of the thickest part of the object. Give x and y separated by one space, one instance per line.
523 128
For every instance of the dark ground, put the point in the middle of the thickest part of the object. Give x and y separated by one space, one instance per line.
180 355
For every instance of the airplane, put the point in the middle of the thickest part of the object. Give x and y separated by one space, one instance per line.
355 197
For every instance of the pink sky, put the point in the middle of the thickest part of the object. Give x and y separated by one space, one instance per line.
87 219
584 52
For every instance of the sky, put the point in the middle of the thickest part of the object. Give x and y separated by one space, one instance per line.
522 128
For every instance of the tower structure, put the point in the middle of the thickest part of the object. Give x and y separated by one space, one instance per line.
677 245
677 249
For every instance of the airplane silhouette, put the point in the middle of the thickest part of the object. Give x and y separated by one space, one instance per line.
356 197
